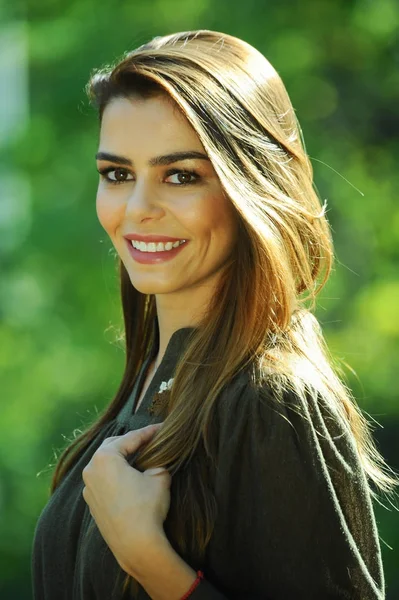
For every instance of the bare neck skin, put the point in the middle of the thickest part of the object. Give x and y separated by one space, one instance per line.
183 309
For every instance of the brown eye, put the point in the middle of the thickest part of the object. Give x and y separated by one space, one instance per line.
182 177
115 175
120 174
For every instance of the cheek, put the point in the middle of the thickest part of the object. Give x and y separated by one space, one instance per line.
108 212
221 220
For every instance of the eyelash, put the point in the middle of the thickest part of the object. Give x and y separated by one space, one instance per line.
104 172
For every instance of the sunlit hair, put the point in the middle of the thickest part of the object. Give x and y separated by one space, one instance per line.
260 318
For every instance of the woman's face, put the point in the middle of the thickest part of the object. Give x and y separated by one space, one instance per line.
145 189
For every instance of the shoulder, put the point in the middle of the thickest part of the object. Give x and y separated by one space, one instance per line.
303 427
258 414
245 399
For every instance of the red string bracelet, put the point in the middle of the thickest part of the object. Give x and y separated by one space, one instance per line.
200 576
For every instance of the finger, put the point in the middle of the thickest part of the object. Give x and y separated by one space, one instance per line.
156 471
132 440
112 438
159 472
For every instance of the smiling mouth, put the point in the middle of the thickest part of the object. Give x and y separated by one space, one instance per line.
154 257
156 246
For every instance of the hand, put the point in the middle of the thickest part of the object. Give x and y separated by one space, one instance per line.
129 507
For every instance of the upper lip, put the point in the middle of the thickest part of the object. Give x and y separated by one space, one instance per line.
151 238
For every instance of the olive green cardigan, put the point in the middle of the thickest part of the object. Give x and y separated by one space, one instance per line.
295 519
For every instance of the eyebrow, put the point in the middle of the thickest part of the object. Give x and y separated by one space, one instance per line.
166 159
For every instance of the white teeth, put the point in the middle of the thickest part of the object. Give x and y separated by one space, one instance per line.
156 247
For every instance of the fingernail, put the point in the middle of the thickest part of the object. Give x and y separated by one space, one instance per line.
156 470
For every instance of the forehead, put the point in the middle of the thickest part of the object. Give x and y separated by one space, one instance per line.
131 124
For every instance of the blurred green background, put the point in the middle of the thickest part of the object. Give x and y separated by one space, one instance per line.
60 358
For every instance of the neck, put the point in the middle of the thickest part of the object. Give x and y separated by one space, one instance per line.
177 310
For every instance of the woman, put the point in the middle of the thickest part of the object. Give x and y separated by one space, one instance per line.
232 462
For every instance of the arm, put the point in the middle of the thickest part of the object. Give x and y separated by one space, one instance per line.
165 576
295 519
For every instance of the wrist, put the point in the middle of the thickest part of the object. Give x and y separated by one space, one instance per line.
152 549
162 572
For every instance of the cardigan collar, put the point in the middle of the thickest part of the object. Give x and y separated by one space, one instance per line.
162 376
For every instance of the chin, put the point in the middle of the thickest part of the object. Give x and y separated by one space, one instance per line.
151 288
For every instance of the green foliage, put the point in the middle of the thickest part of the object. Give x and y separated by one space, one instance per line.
60 313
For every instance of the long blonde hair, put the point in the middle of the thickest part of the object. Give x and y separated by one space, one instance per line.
261 315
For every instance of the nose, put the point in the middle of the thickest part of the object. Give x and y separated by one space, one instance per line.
142 202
